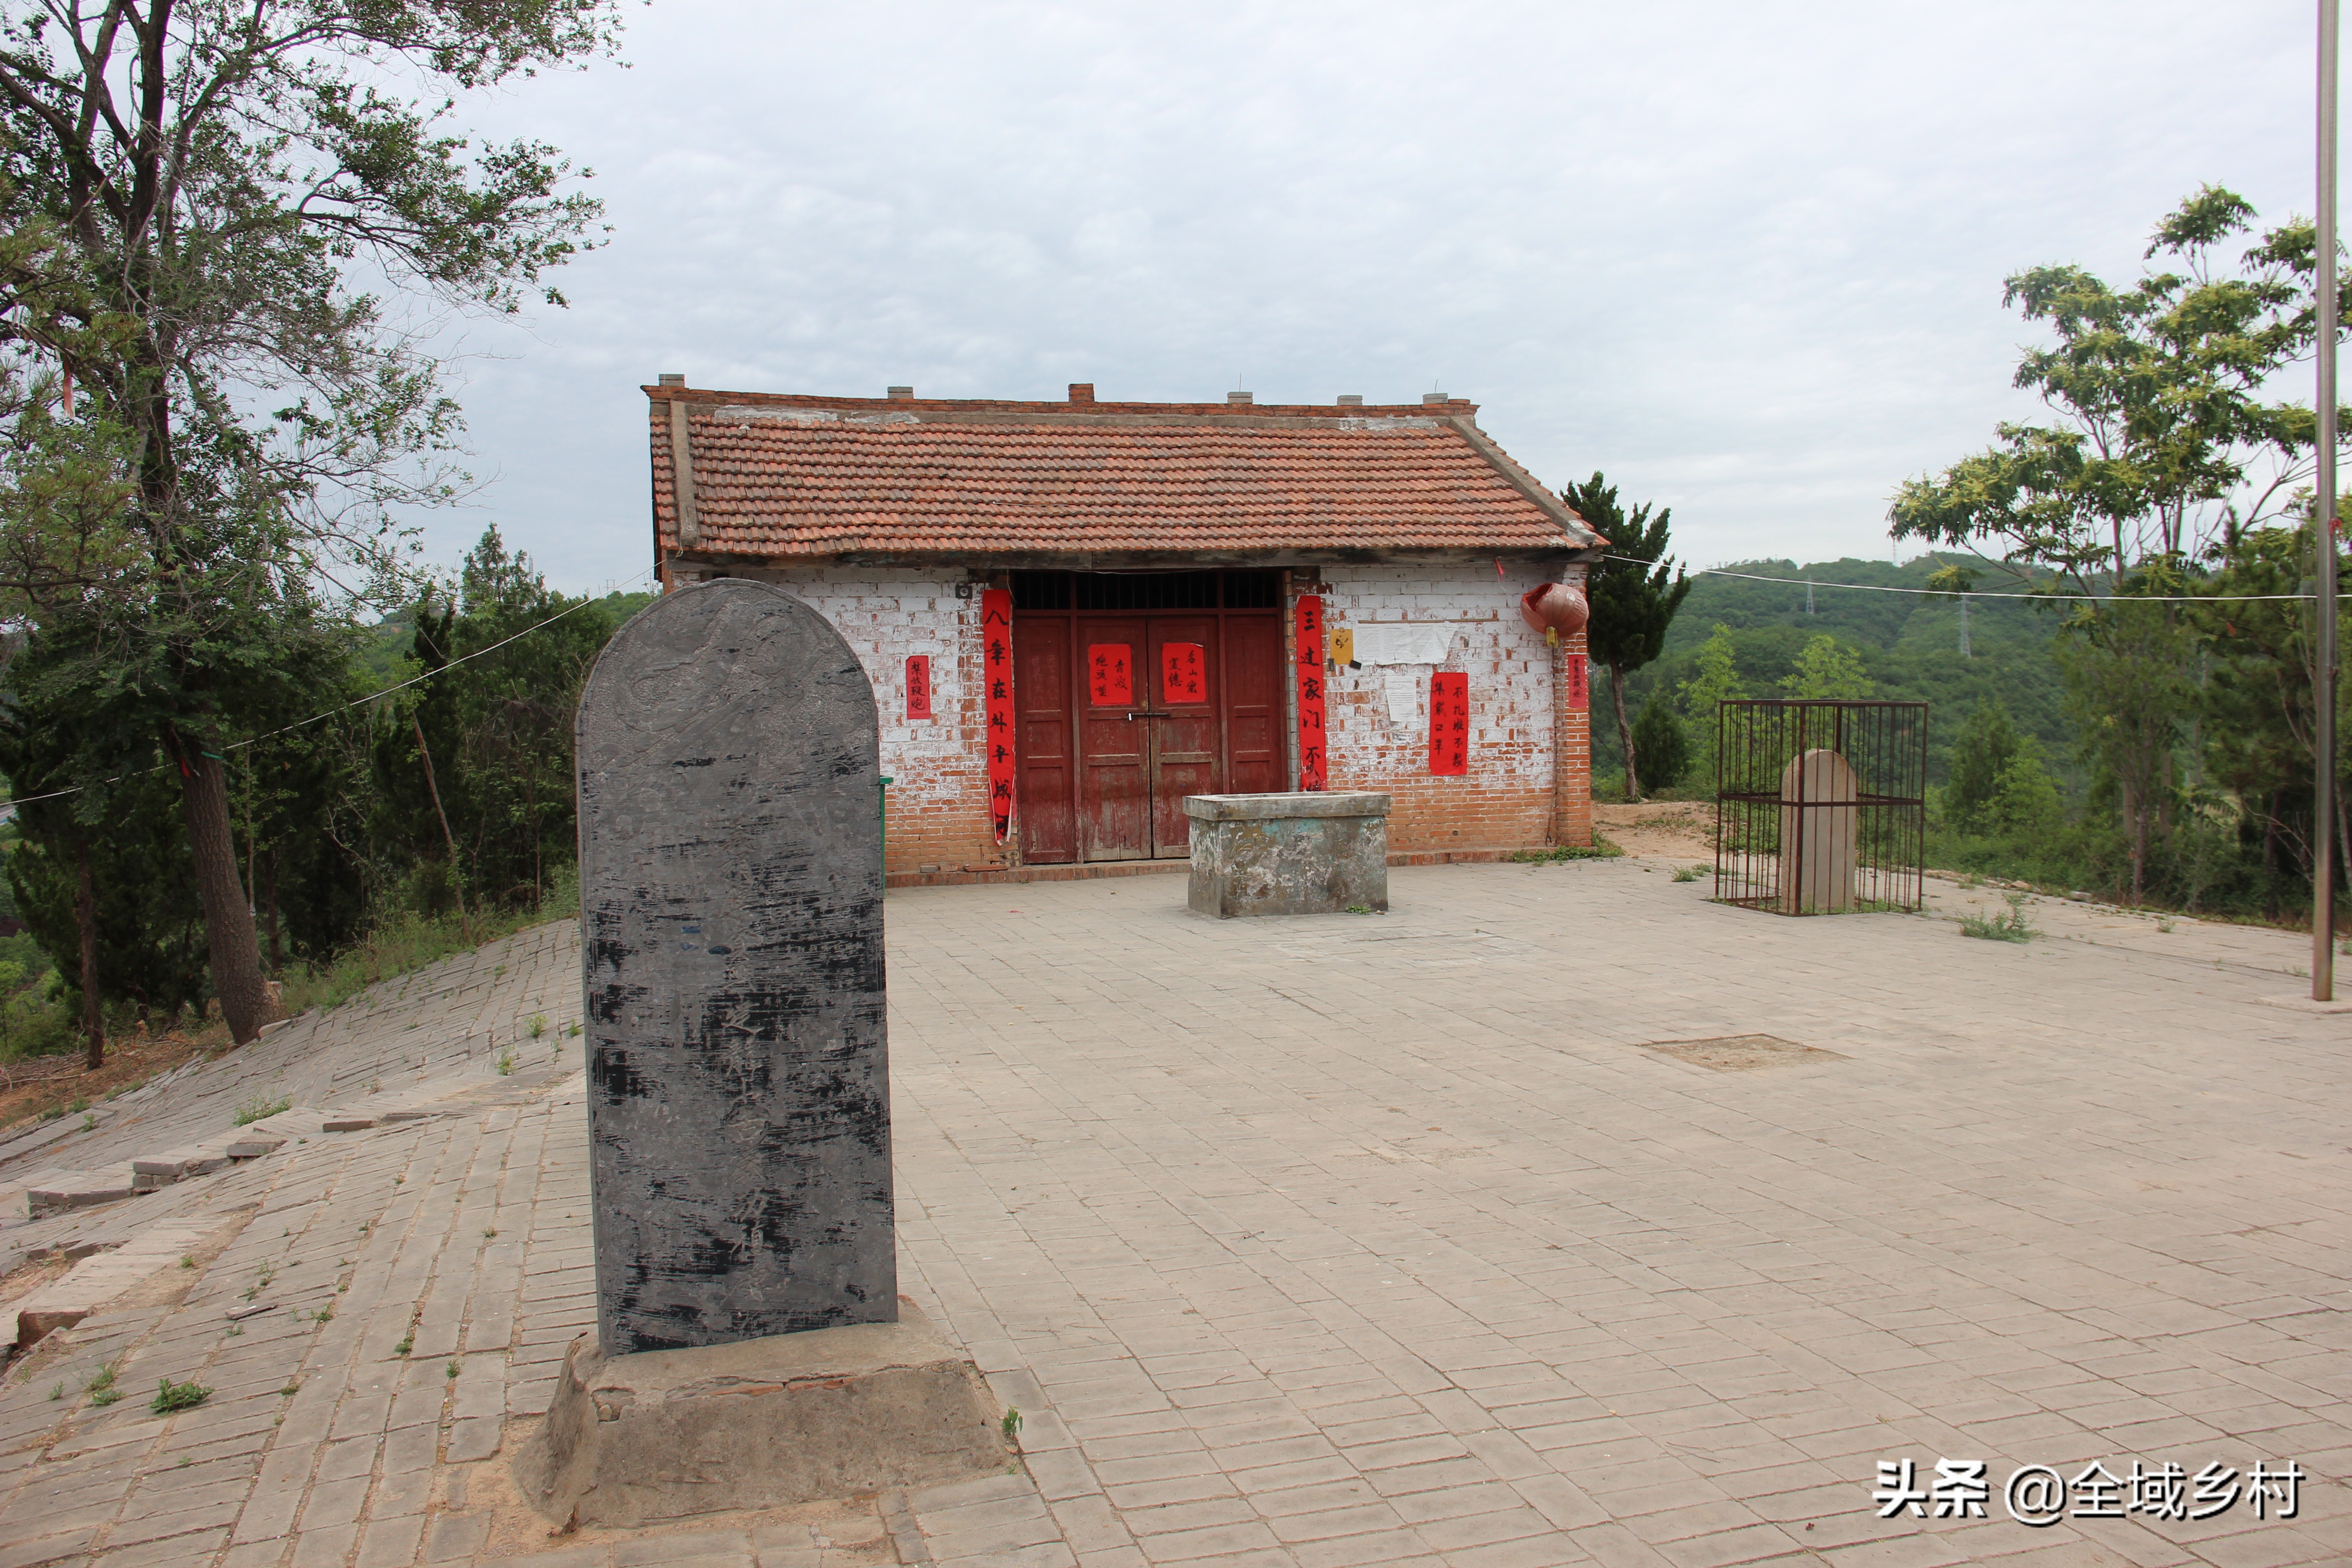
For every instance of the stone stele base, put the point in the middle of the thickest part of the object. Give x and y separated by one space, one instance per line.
1299 854
765 1423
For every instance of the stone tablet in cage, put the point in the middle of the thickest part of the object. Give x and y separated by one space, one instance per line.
1817 832
1821 803
731 880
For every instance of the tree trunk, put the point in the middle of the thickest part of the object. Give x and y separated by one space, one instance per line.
93 1017
228 919
2139 852
456 887
270 895
1624 733
2343 852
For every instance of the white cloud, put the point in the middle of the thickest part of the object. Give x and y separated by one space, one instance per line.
1746 259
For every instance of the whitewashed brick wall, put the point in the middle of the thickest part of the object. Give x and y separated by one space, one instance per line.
938 802
938 793
1509 664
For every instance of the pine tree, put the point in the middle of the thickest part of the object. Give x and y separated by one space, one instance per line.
1635 592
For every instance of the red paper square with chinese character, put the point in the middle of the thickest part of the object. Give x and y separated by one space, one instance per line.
1110 675
1449 723
1183 673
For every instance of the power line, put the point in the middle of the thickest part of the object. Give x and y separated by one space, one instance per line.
358 703
1807 584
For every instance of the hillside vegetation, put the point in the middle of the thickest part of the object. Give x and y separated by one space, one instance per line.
1909 644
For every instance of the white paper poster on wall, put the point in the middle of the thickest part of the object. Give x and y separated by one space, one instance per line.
1403 642
1401 688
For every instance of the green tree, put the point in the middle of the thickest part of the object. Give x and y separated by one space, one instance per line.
2257 742
1985 746
1631 598
1714 681
2129 687
2025 802
204 201
516 702
2156 388
1665 750
1827 668
2163 450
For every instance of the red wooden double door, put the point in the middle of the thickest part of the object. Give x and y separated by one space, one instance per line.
1122 713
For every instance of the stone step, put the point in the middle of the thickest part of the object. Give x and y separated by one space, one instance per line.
101 1277
294 1122
150 1171
69 1189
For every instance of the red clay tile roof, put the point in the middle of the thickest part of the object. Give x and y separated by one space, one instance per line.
778 477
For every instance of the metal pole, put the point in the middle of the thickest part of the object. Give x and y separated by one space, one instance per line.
2323 859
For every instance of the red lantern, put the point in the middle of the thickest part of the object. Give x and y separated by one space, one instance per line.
1556 609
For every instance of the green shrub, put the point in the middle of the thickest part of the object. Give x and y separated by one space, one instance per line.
171 1396
255 1108
1600 848
1662 748
2010 927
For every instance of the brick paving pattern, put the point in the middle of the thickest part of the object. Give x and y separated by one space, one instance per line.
1322 1241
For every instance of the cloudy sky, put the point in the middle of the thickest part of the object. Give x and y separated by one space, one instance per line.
1747 258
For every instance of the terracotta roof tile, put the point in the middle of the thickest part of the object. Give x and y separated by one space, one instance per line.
785 476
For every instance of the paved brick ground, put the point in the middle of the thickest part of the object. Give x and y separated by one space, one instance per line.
1328 1241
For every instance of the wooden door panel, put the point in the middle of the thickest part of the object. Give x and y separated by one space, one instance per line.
1042 690
1114 753
1186 742
1254 735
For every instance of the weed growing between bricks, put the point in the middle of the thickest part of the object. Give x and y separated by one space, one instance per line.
171 1396
2010 927
1600 848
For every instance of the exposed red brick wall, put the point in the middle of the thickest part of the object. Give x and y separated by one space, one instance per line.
1572 777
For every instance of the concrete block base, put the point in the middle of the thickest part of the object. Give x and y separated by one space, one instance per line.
791 1418
1299 854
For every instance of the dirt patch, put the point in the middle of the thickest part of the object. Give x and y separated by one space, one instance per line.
849 1532
28 1278
32 1086
1660 829
1741 1053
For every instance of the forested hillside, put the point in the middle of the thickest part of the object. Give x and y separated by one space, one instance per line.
418 776
1909 645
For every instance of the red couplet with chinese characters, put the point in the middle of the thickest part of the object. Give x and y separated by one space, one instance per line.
1313 761
996 660
1110 675
1183 673
1449 723
1579 681
918 685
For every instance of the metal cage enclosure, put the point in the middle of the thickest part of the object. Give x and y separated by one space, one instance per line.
1820 806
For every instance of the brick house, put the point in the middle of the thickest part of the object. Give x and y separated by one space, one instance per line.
1167 586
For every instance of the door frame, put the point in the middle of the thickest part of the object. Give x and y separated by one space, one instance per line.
1075 656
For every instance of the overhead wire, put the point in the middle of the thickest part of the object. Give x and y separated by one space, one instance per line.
1973 594
1629 560
356 702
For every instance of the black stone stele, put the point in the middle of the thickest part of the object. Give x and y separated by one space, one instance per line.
730 894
